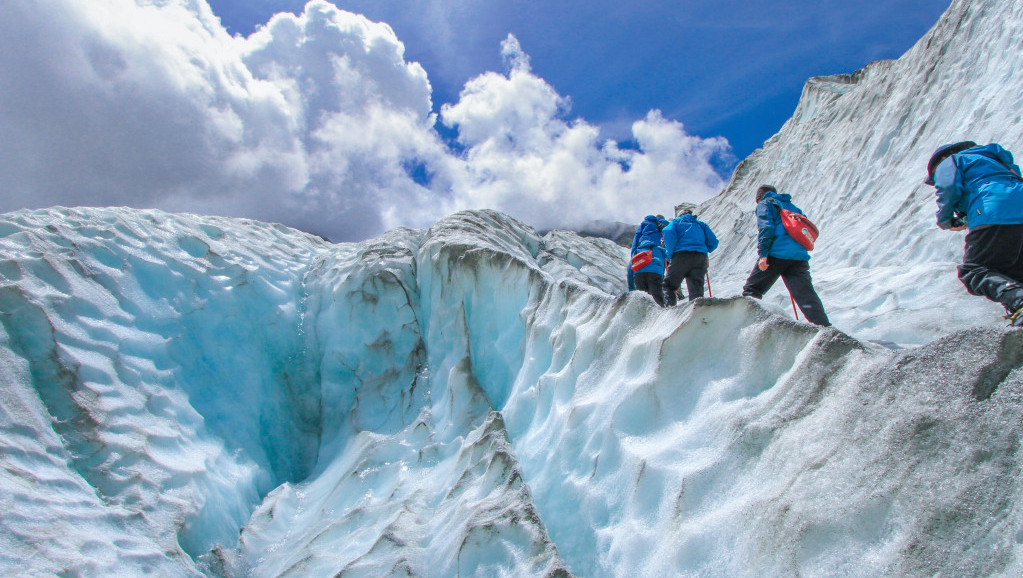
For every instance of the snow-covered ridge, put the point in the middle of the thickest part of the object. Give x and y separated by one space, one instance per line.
820 91
188 395
853 156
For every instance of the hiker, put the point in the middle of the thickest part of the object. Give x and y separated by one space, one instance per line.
978 187
687 241
648 238
780 255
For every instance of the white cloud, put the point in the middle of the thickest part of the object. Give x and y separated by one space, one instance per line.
524 158
315 120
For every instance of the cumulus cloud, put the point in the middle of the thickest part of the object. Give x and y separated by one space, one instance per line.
523 157
316 120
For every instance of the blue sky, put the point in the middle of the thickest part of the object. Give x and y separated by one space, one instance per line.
731 68
353 118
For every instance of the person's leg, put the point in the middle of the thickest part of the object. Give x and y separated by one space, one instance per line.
759 281
796 276
695 275
650 283
991 264
1015 270
673 280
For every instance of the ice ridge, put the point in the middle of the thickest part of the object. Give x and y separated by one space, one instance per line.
200 396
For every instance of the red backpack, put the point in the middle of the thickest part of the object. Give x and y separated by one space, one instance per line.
798 227
642 259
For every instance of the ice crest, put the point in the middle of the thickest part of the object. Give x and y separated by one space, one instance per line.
187 395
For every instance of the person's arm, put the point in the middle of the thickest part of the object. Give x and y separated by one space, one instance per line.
949 193
766 221
712 240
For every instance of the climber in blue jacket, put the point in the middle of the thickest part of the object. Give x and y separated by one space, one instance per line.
687 241
779 255
978 187
649 238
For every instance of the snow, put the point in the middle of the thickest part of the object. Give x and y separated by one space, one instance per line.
204 396
853 156
186 395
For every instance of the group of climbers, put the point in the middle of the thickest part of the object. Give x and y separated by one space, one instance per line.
978 187
680 250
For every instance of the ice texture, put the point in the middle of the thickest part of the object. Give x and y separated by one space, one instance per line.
191 395
854 155
184 395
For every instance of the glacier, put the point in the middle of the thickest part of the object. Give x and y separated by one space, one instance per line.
853 156
190 396
187 395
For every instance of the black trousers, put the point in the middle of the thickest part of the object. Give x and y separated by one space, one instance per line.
993 264
651 283
688 265
796 275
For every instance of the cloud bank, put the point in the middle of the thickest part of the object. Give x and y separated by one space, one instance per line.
315 121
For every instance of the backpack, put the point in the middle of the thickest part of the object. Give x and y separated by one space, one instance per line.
642 259
798 226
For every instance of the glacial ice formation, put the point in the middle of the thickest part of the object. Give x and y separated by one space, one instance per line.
204 396
853 156
186 396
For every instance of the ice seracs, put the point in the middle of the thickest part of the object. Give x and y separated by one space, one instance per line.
191 395
188 395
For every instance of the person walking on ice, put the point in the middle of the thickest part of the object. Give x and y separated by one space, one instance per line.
978 187
648 242
780 255
687 241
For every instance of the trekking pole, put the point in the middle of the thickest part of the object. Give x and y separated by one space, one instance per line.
794 306
709 292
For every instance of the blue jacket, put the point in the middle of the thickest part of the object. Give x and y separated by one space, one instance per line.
687 233
648 236
772 239
975 182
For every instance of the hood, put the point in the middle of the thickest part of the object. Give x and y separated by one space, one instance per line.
780 197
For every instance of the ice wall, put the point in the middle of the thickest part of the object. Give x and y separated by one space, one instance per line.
155 385
854 156
199 396
189 396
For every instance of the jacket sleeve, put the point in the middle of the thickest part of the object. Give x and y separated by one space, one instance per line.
635 239
948 191
766 220
712 240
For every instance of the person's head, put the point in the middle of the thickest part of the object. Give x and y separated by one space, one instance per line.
686 212
942 153
661 222
763 190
